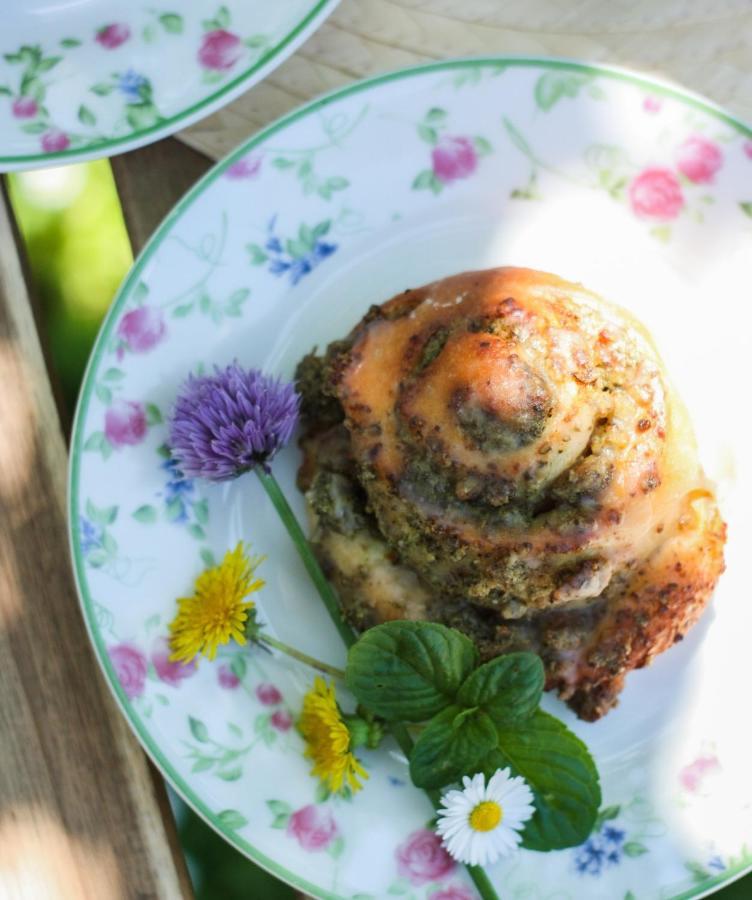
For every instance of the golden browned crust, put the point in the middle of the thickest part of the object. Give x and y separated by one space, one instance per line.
519 457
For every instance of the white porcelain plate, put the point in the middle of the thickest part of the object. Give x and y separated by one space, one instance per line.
88 78
642 192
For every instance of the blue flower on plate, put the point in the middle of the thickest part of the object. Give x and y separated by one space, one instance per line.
716 864
178 492
134 86
294 257
91 536
600 851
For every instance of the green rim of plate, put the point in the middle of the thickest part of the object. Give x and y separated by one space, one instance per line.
147 742
186 116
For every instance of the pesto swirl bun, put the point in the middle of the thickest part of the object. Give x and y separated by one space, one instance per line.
524 457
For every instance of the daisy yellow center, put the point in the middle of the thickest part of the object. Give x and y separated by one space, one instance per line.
486 816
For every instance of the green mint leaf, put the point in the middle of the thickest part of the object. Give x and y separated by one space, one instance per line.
198 729
508 688
409 670
453 744
232 819
746 208
562 775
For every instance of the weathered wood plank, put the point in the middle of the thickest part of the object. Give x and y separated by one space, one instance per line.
700 44
81 814
151 180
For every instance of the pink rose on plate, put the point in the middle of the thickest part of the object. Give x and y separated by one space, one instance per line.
453 892
281 720
24 108
652 104
691 776
268 694
454 157
169 672
422 858
112 36
247 167
748 149
54 141
125 423
656 194
130 668
313 828
142 328
699 159
227 678
220 50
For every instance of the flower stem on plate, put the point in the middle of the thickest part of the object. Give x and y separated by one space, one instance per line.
326 592
264 638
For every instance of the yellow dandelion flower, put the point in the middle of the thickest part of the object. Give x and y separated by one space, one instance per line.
215 613
328 739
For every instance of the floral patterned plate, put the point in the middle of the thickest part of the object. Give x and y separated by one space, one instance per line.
639 190
90 79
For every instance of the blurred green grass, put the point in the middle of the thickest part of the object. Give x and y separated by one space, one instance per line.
79 252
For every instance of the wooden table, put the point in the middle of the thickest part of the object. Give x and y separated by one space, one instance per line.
82 812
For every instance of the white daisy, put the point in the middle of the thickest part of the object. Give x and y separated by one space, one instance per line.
481 823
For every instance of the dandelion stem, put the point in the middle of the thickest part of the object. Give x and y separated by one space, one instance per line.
300 656
326 592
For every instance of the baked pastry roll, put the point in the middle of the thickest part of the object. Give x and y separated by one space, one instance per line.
502 451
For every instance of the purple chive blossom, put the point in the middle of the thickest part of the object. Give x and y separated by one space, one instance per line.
227 423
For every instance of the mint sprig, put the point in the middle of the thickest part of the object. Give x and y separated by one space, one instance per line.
479 718
409 671
562 776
